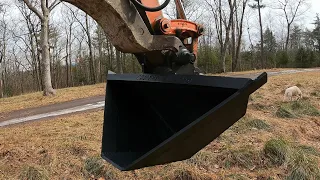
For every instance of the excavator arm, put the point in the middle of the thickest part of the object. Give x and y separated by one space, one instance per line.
137 27
169 112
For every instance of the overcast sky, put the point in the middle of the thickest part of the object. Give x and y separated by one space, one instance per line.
270 18
315 7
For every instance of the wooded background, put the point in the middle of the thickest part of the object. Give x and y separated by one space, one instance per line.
46 45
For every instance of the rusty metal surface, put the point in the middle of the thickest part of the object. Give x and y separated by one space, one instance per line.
180 10
124 26
152 16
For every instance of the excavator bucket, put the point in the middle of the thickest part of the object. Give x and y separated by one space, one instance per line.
152 119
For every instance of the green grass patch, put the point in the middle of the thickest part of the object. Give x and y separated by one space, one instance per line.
296 109
94 166
258 124
33 173
300 160
303 167
109 175
277 151
308 150
285 112
247 123
245 157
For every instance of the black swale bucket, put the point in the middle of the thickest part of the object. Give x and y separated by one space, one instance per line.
152 119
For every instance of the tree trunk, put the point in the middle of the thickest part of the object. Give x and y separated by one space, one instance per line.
1 86
221 21
67 63
100 47
240 32
47 89
118 59
261 36
91 61
1 76
133 64
70 55
34 44
233 46
288 36
37 58
2 59
123 63
223 58
110 52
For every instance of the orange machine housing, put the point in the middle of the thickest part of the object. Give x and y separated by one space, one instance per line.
185 30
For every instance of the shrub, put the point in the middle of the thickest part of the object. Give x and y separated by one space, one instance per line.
94 166
277 151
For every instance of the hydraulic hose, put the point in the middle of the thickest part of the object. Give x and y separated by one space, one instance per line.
150 9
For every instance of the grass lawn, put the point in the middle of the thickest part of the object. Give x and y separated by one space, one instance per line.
262 145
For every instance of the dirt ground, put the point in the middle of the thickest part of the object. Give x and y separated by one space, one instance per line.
64 148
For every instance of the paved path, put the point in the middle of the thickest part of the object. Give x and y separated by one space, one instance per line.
91 103
53 110
277 73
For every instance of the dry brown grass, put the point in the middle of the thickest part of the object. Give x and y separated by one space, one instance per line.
64 147
37 100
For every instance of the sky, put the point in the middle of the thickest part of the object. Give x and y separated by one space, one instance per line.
308 19
270 18
315 7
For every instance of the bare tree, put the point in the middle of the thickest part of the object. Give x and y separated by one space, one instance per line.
290 8
237 31
3 45
87 30
259 6
101 44
223 22
70 26
32 42
44 15
192 8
